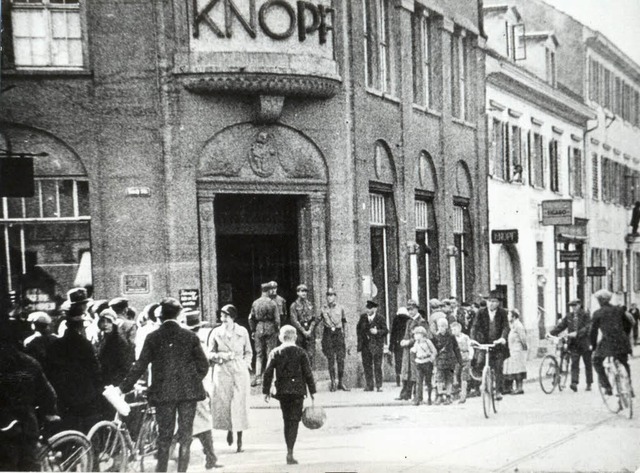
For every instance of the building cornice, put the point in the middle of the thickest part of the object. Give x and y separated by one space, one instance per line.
600 44
511 78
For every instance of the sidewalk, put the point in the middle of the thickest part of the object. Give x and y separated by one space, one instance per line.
357 397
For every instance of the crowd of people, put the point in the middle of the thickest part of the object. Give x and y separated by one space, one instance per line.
199 374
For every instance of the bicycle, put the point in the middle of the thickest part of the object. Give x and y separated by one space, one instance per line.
114 447
622 392
69 450
554 373
488 380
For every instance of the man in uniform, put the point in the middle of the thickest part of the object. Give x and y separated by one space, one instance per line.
264 321
280 302
334 321
303 319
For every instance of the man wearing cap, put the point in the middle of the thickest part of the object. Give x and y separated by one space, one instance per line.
409 369
74 372
491 325
372 330
37 344
264 321
126 327
178 365
398 327
304 320
281 303
578 325
334 321
612 322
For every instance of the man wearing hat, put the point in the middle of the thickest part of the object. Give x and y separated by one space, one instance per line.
304 320
491 325
577 323
398 327
126 327
409 369
334 321
281 303
614 325
371 331
37 344
264 321
178 365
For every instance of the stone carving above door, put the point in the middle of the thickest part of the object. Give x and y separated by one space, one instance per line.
256 153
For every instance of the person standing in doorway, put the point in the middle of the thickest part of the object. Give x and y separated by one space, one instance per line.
281 303
303 319
178 365
264 321
372 330
334 321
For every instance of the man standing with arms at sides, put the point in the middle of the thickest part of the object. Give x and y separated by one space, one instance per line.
264 322
491 325
281 303
334 321
178 365
371 330
303 319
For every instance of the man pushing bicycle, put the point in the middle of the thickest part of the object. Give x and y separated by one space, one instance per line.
615 326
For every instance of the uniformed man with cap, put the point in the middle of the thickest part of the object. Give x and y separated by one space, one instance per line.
304 320
334 321
264 321
281 303
126 328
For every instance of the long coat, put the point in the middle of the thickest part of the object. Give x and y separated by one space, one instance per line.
369 341
517 361
580 323
116 356
231 354
409 367
480 329
614 325
203 420
178 365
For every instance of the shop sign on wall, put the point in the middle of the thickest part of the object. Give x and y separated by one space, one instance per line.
189 298
136 283
557 212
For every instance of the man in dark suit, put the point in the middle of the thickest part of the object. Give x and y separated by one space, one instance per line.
293 376
491 325
371 331
614 325
178 365
578 325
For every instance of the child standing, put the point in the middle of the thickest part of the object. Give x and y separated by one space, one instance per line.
293 376
425 355
461 372
448 356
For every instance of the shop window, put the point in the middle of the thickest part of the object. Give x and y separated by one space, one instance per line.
45 33
46 243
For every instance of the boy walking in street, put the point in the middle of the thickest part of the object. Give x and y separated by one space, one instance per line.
448 356
425 355
293 376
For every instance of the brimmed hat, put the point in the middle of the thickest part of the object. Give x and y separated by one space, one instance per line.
412 303
265 286
302 287
402 311
119 303
78 295
495 295
603 295
273 285
230 310
192 318
370 305
39 318
109 314
98 306
575 302
434 303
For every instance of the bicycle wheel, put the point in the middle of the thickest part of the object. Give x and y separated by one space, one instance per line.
109 449
68 450
147 445
612 402
548 374
623 387
494 391
564 372
486 388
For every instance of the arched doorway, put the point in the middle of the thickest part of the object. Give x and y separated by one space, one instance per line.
507 277
261 205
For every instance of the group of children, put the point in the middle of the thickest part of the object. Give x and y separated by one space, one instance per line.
449 351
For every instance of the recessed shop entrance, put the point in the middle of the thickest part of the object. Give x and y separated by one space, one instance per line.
256 241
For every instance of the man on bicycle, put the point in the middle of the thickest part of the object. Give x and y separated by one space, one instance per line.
578 325
614 325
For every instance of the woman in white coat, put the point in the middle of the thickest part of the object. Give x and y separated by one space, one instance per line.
231 352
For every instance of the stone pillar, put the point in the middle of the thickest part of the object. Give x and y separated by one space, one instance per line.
208 265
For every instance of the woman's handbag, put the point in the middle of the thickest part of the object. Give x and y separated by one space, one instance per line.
313 417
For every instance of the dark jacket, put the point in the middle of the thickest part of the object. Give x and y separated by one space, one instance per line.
38 347
397 331
614 325
580 323
23 387
480 329
74 372
448 351
367 340
293 372
178 365
116 357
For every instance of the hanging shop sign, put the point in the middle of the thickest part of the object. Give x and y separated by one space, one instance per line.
557 212
596 271
570 256
504 236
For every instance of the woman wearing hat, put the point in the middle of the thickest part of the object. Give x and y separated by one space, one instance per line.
231 352
114 354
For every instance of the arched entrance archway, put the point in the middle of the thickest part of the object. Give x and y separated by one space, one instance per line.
508 277
261 205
